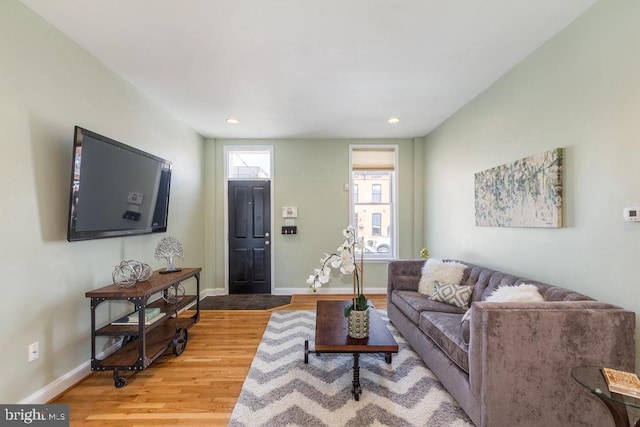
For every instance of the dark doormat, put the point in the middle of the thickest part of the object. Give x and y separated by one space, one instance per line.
244 302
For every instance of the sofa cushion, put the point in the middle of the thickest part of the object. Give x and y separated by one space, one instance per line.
442 271
412 303
444 331
452 294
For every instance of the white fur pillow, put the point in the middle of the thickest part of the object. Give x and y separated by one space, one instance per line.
437 270
521 293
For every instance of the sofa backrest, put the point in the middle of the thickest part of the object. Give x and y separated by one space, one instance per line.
485 281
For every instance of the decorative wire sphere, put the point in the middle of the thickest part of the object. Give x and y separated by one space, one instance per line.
173 294
130 272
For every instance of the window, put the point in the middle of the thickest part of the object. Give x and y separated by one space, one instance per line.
376 193
376 224
373 203
248 164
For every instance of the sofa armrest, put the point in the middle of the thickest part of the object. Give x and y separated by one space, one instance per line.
403 275
521 356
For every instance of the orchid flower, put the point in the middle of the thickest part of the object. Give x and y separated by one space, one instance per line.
343 259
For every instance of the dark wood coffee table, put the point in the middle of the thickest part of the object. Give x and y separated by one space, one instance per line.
331 337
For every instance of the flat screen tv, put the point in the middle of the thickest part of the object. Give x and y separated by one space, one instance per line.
116 190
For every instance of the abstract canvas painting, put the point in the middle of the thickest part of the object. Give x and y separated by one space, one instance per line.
525 193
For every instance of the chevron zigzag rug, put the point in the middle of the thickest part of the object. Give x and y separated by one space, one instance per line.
281 390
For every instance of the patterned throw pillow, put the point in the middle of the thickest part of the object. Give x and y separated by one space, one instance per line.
452 294
436 270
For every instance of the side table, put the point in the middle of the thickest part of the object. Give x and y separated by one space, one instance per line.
591 378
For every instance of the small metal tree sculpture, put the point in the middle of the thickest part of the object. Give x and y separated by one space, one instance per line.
168 248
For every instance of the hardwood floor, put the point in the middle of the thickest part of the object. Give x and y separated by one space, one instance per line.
198 388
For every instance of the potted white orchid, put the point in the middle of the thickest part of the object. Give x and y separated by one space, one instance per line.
345 259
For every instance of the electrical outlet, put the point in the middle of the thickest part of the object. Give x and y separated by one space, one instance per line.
34 351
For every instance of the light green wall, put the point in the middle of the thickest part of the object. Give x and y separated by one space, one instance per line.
48 84
580 91
311 174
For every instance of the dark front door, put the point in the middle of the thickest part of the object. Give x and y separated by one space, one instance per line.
249 237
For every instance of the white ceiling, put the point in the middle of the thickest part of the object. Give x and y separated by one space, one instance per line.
310 68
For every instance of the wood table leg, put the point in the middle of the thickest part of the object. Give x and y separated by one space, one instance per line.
356 390
618 412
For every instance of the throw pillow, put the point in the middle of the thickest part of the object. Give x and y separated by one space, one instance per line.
445 272
520 293
452 294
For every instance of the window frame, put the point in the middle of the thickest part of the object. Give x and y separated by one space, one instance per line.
376 196
393 200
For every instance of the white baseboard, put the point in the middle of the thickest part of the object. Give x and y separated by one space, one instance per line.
335 291
212 292
56 387
299 291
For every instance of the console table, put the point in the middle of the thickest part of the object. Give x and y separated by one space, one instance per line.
591 378
143 342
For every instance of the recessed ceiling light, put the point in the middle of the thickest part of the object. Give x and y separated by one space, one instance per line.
393 120
232 121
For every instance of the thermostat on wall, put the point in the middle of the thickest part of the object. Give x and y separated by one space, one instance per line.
632 214
290 212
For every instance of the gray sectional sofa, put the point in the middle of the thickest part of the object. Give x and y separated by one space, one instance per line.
512 366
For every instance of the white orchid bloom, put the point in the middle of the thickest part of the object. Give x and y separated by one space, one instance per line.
342 259
345 257
347 269
323 277
347 266
349 233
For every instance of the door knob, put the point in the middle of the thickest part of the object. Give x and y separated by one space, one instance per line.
267 242
266 234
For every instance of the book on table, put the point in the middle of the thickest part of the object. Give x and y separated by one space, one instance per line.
151 315
622 382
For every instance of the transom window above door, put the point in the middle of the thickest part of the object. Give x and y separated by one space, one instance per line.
248 164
